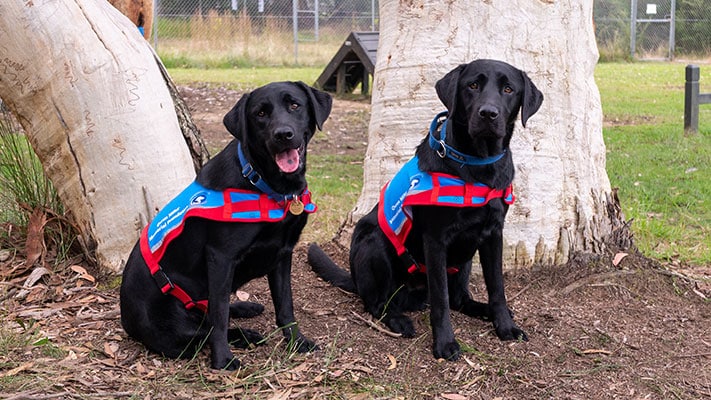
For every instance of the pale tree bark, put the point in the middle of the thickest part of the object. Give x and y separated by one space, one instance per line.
563 192
89 93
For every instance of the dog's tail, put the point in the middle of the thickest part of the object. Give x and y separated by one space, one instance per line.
325 268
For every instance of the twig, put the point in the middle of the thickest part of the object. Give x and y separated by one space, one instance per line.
520 292
693 355
375 326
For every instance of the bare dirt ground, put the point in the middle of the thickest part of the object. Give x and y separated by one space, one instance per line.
634 330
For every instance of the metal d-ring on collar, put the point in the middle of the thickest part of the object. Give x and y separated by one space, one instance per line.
255 179
446 151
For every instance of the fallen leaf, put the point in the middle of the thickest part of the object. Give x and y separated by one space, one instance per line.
140 368
597 351
110 348
242 296
34 245
393 362
78 269
17 370
618 258
453 396
83 274
35 276
4 255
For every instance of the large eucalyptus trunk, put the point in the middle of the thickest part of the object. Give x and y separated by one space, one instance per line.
562 189
91 97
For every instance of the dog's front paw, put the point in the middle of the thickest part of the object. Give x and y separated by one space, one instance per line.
449 351
302 344
401 324
228 362
510 332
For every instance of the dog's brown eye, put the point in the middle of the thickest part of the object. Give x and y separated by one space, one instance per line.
508 89
261 113
474 86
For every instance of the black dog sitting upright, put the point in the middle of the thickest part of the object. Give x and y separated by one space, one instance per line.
444 205
241 219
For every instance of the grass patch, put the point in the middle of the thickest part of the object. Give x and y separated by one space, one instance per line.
662 174
28 199
336 182
243 78
24 185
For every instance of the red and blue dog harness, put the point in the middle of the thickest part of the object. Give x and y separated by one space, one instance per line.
413 187
231 205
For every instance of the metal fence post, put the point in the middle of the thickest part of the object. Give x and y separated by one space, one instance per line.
672 29
295 22
633 27
691 99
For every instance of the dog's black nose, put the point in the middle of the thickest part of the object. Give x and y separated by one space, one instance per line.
487 111
284 134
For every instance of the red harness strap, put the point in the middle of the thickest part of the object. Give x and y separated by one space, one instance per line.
164 283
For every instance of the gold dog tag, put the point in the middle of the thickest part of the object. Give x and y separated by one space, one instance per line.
296 207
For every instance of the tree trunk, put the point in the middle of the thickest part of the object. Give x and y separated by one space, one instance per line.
90 95
562 189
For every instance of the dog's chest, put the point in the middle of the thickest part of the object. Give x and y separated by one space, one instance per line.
460 230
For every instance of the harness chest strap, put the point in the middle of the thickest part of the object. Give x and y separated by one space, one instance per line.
412 187
231 205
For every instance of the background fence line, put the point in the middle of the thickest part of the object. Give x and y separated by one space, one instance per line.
219 33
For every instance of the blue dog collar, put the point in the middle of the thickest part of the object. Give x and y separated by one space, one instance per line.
445 150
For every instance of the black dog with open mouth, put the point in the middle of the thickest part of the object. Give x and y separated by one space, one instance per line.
447 203
239 220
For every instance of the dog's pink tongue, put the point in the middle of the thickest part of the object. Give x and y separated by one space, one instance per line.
288 161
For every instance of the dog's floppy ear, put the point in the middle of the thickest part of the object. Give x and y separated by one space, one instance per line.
447 88
531 100
320 103
236 119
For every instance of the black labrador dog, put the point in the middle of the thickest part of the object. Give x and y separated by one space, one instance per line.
416 246
239 220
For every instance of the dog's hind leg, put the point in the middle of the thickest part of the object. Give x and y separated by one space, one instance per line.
376 285
459 298
390 313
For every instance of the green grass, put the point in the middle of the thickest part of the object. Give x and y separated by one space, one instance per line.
662 174
244 78
336 182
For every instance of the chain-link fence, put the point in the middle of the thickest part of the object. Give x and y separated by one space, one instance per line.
309 32
258 32
653 29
